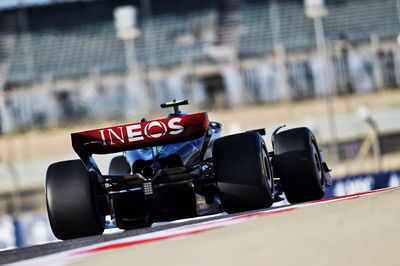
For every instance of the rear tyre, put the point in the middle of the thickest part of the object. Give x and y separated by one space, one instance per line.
130 209
299 165
243 172
119 166
175 202
71 198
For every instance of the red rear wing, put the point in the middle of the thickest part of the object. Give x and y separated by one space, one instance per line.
140 135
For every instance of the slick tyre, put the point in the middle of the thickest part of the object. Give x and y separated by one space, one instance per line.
119 166
71 198
243 172
175 202
130 209
299 165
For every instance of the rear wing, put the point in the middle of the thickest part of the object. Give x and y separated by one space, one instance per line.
140 135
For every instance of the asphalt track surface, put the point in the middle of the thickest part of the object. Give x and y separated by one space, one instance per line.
14 255
356 230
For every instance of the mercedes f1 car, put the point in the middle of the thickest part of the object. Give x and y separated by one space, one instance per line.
178 167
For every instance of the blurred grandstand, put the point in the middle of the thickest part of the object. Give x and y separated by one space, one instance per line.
65 51
61 63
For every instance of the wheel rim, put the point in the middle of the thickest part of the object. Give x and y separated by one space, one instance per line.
317 162
268 178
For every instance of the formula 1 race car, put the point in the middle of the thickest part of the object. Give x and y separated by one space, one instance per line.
178 167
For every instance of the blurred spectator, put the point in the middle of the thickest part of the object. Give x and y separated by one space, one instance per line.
66 105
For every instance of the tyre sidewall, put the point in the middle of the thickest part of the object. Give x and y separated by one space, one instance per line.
297 159
71 201
238 166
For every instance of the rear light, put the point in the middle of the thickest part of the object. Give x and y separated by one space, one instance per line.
148 189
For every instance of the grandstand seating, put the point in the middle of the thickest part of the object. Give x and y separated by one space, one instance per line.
83 39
